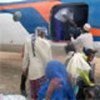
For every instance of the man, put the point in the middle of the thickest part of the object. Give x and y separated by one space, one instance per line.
37 53
85 40
62 21
85 43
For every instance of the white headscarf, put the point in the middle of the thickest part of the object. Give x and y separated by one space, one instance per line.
87 27
42 29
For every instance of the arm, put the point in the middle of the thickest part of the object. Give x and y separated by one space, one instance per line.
91 75
85 76
50 53
25 58
48 95
22 54
92 71
54 84
74 41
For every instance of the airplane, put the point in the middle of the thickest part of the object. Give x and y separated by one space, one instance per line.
38 13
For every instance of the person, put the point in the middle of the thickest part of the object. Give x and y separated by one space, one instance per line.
57 86
70 49
25 72
90 56
91 61
37 54
73 32
84 40
80 70
62 21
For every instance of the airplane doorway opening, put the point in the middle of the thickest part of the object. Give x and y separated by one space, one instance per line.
77 13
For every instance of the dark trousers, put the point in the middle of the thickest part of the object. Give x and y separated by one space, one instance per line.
82 86
23 82
35 86
59 31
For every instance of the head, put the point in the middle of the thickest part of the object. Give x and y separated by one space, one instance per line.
64 13
86 27
41 32
56 69
90 53
67 14
17 16
70 49
74 31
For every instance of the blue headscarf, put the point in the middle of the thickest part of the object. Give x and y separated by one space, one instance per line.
56 69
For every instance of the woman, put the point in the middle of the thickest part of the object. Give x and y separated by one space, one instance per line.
57 86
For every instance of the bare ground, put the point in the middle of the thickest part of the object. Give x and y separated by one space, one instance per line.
10 72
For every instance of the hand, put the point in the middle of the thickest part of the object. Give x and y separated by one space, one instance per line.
25 71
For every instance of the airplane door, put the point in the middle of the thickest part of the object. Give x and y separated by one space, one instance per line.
77 12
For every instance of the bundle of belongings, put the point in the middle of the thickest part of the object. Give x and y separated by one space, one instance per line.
78 67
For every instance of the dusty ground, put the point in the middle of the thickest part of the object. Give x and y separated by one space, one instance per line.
10 72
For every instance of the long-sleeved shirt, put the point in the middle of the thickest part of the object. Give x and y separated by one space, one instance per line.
36 64
84 41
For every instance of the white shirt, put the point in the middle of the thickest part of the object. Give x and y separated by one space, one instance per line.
84 40
37 63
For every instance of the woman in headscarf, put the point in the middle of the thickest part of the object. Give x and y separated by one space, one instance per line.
57 86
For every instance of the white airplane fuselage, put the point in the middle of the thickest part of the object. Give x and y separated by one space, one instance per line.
13 36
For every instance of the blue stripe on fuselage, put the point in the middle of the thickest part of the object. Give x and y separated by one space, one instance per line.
96 38
30 18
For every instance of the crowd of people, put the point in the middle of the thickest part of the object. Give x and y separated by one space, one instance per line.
50 79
